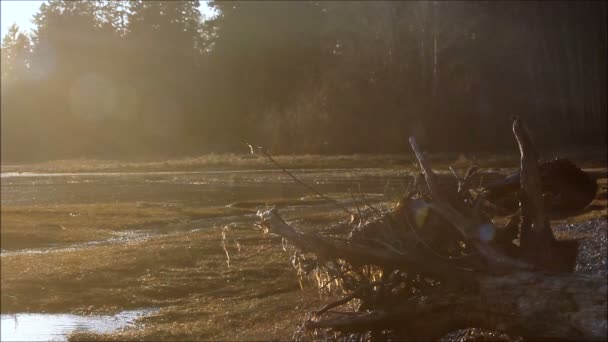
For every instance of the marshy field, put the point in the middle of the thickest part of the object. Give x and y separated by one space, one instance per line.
169 250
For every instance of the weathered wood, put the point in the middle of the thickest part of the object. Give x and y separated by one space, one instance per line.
465 226
434 282
469 227
416 260
566 188
531 190
538 245
536 306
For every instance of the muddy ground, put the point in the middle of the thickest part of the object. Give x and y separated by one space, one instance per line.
102 243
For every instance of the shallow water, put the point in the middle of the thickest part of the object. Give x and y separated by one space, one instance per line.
250 189
56 327
121 237
194 188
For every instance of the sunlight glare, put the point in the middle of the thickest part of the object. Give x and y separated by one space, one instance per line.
486 232
93 97
43 63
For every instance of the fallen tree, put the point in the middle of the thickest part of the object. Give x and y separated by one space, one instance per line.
437 263
565 187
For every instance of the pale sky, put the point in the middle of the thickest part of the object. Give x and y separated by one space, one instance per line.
22 11
19 12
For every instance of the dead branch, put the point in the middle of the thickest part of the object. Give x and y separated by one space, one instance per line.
534 305
444 266
468 227
537 242
260 149
359 254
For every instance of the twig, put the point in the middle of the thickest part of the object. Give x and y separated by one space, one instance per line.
345 299
334 278
265 153
409 186
224 230
357 205
480 181
378 212
455 174
466 226
431 249
471 171
345 313
386 187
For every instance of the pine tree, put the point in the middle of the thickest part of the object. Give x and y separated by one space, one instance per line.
15 55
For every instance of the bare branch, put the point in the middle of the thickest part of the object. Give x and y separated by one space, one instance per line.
265 153
418 260
531 185
468 227
463 225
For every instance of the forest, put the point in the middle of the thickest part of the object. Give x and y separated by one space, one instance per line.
137 79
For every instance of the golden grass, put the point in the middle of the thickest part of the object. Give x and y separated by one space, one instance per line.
185 275
46 225
591 158
210 161
244 161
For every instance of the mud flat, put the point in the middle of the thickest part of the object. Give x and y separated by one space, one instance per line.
168 253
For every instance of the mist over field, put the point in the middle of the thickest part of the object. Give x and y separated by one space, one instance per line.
136 79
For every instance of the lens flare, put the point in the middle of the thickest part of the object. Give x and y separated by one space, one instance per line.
421 212
486 232
163 115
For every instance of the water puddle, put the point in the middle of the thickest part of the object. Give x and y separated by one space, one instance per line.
56 327
5 174
130 236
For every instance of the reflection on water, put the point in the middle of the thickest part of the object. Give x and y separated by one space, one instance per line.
56 327
129 236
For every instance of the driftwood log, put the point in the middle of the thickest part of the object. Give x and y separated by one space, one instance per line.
437 263
566 188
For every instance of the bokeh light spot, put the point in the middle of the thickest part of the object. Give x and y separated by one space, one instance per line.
421 212
486 232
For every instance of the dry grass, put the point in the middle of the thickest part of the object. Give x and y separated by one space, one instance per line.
588 159
206 162
244 161
185 275
47 225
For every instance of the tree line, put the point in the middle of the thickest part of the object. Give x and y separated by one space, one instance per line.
125 79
